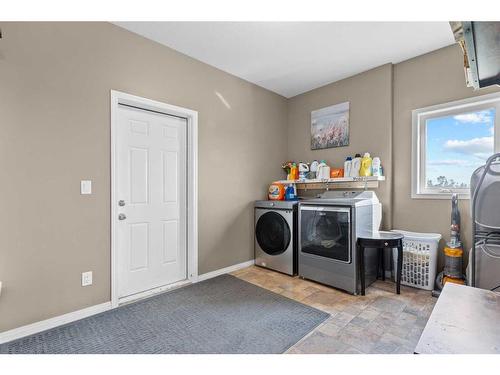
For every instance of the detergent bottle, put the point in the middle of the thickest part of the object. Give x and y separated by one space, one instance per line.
290 193
294 171
303 169
347 166
376 167
366 165
314 168
323 172
355 166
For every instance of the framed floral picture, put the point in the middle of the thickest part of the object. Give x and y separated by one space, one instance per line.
330 127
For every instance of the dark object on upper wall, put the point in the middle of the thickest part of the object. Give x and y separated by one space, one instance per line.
480 42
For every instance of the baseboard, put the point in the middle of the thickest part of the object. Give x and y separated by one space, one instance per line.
56 321
222 271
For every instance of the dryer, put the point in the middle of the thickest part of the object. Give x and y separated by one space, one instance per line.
328 230
276 235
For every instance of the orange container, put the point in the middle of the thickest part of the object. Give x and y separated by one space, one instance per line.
276 192
336 172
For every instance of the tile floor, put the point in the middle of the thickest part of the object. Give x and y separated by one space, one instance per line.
381 322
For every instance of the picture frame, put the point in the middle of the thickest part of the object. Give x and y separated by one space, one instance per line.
330 126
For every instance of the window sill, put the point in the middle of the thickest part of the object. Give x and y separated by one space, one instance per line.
446 196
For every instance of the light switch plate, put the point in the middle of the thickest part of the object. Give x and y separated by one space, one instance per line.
85 187
87 278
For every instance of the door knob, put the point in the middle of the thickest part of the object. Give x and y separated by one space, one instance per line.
122 217
121 203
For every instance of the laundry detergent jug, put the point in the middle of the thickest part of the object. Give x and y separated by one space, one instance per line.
323 172
366 165
355 166
290 194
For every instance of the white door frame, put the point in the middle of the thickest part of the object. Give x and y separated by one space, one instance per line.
191 116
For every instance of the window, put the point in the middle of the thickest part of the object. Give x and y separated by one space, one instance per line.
450 141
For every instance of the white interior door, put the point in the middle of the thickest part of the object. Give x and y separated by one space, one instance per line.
151 202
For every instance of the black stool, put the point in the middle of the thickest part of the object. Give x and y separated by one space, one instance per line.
380 240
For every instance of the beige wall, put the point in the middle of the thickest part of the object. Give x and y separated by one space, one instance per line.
55 130
370 98
434 78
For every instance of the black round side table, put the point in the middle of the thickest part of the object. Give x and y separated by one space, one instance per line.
380 240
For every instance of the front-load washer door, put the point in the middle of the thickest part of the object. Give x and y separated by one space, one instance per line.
273 234
274 245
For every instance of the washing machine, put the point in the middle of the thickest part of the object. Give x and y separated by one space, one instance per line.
276 235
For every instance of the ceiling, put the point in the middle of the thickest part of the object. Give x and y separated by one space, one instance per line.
290 58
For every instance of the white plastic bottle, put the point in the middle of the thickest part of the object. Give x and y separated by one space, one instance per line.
347 166
376 167
323 172
314 169
356 165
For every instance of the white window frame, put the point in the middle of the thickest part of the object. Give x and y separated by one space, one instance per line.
419 117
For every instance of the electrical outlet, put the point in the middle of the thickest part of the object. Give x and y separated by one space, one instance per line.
87 278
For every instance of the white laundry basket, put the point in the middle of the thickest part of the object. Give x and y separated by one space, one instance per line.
419 259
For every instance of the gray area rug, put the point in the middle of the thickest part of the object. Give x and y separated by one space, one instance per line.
220 315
